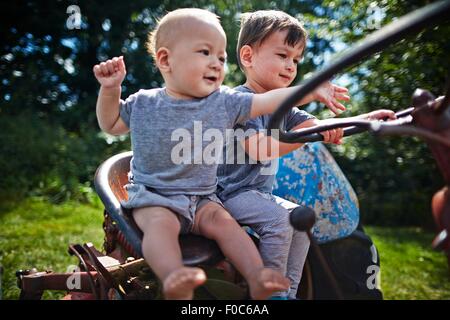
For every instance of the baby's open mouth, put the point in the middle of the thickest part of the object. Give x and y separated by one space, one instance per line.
214 79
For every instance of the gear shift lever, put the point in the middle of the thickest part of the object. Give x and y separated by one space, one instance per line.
303 219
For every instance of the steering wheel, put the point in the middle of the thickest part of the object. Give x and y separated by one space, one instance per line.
423 102
375 42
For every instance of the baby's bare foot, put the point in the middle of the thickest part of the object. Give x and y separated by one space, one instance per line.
180 284
266 282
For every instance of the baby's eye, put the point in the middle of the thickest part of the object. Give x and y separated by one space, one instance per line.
296 61
282 55
204 52
222 59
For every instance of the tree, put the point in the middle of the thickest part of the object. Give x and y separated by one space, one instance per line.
394 177
50 139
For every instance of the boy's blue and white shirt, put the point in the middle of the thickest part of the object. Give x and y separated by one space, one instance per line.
251 174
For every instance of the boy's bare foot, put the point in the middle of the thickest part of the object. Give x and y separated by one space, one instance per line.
266 282
180 284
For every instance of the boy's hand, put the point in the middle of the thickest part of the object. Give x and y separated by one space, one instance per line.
330 94
379 115
110 73
333 136
329 136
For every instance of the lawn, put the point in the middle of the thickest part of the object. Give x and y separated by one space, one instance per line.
37 233
410 269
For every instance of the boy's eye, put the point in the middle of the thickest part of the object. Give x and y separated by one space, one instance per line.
296 61
222 59
204 52
282 55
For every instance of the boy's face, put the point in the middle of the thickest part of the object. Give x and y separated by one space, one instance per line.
197 60
274 63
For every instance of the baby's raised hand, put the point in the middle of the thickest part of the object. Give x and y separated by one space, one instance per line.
330 95
111 72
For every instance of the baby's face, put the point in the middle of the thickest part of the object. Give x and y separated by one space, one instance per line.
197 61
274 63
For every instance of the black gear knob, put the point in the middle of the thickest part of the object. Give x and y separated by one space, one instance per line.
303 218
422 97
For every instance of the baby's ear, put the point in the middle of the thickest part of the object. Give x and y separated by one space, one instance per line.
246 55
162 59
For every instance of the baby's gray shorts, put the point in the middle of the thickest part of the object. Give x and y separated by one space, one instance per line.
184 205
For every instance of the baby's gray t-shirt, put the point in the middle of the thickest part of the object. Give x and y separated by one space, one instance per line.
177 144
237 177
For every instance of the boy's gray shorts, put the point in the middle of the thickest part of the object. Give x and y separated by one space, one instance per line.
185 206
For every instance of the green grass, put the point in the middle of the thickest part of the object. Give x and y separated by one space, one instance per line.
37 234
410 269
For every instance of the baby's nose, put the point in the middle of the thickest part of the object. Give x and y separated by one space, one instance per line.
216 63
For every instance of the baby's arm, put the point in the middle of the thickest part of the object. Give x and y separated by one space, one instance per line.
110 75
327 93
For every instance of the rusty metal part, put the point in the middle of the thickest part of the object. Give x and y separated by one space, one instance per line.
426 118
74 249
33 283
101 267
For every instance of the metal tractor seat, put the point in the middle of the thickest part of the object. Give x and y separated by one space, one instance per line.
110 180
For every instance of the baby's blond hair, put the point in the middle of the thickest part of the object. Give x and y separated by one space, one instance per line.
169 26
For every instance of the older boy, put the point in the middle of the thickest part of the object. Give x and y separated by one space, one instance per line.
270 45
169 196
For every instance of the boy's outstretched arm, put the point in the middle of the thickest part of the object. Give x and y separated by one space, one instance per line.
380 114
261 147
110 75
327 93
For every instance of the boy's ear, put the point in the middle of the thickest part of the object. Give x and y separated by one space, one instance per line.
246 55
162 59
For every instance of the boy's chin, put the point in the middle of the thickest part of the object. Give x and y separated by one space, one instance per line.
284 83
279 85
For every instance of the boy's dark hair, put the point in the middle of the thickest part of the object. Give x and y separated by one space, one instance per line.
257 26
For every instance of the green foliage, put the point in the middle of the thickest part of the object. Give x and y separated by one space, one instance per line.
395 178
409 269
50 142
39 158
36 234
